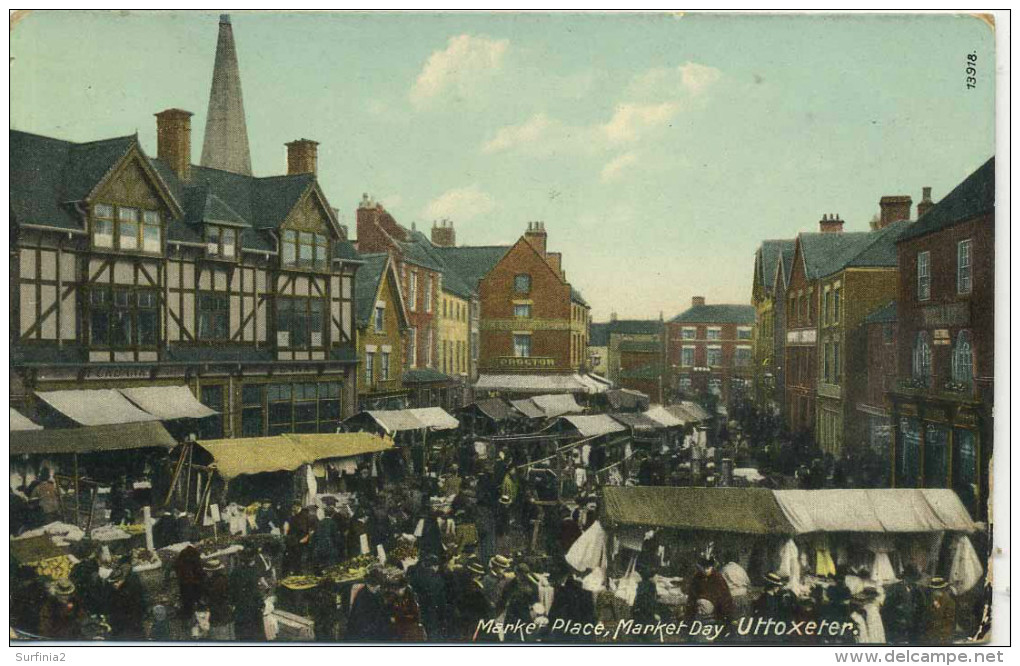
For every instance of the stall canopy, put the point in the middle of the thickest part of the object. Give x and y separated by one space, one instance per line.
742 510
20 423
695 410
535 383
435 418
528 408
168 402
638 421
626 399
94 407
89 439
595 425
557 405
494 408
688 412
286 453
895 510
593 385
659 414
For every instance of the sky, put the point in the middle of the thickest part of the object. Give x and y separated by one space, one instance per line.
659 149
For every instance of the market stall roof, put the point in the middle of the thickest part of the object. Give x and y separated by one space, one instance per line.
627 399
595 425
528 408
696 410
742 510
20 423
532 383
592 384
435 418
324 446
255 455
638 421
660 414
395 420
895 510
168 402
494 408
93 407
687 412
88 439
557 405
601 380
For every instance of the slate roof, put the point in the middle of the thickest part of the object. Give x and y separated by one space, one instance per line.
716 314
883 315
635 327
644 346
598 335
787 256
768 253
366 287
825 253
471 263
882 251
576 296
452 280
974 196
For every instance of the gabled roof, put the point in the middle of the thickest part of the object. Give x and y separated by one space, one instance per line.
472 263
452 281
882 250
366 286
883 315
974 196
414 252
825 253
716 314
767 259
598 335
786 262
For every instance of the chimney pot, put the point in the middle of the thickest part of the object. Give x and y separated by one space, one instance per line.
302 157
925 204
830 224
893 208
697 301
173 141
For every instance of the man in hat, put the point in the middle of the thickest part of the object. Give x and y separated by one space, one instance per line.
266 518
190 578
247 599
61 616
127 604
472 606
707 583
571 601
903 609
216 594
518 596
776 602
369 619
940 612
864 614
430 587
498 577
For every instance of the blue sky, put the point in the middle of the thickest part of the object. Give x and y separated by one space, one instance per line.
659 149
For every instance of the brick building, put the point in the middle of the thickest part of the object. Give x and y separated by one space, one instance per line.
598 348
941 408
534 324
872 408
636 352
767 355
708 349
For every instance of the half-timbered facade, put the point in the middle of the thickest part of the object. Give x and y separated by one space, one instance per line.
134 271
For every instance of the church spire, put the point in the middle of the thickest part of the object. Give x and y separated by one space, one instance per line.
226 135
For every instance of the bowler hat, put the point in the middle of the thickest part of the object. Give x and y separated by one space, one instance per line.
63 587
476 568
938 583
500 562
212 564
772 578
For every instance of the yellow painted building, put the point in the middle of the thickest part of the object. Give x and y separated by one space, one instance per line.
454 333
382 326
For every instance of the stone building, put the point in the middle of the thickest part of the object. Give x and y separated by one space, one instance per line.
941 408
382 325
708 349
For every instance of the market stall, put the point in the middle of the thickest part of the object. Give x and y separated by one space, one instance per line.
626 400
488 416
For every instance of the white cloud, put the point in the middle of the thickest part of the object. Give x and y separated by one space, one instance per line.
391 202
615 167
697 78
465 61
630 121
690 78
459 204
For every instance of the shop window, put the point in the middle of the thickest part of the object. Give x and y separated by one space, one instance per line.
963 359
907 458
685 383
252 410
211 427
936 455
965 467
922 359
213 316
299 322
123 317
715 386
304 407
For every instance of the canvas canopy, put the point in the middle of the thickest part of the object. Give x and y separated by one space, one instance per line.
592 384
89 439
20 423
528 408
494 408
557 405
740 510
435 418
93 407
894 510
168 402
695 410
638 421
520 383
286 453
658 413
595 425
396 420
626 399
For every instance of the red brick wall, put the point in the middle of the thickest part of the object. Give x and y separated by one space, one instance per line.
881 362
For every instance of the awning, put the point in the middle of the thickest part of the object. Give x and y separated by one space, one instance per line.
620 399
288 452
741 510
20 423
435 418
168 402
696 410
93 407
600 379
893 510
557 405
88 439
638 421
687 412
659 413
532 383
591 384
326 446
494 408
528 408
595 425
396 420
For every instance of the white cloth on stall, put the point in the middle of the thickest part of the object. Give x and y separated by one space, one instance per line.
736 578
626 586
595 581
789 562
589 550
580 477
585 453
965 568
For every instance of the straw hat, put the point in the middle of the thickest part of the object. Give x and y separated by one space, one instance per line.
500 562
504 500
63 587
772 578
212 564
938 583
476 568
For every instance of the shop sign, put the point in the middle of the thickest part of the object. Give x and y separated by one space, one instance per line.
530 362
117 373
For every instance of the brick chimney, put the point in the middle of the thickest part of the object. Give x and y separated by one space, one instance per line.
830 224
697 301
173 141
926 203
612 316
302 157
893 209
536 236
443 233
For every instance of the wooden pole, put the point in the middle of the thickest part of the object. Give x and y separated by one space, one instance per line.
77 497
92 509
187 488
176 475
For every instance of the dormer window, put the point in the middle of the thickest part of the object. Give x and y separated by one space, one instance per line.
127 228
221 242
304 249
